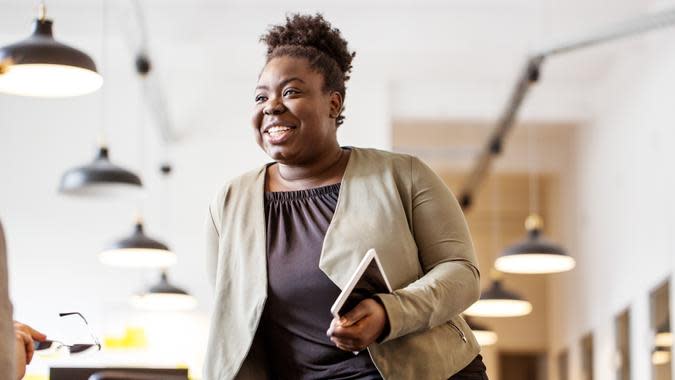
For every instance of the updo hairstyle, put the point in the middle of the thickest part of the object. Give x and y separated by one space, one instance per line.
313 38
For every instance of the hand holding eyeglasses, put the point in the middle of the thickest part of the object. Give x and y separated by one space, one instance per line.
44 344
25 339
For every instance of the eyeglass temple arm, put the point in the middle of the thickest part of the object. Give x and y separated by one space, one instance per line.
86 323
74 313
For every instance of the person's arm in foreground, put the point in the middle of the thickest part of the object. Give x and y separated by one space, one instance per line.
16 339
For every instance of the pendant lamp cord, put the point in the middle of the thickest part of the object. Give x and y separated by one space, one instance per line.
141 143
165 200
42 11
533 179
495 215
532 175
140 202
142 24
102 138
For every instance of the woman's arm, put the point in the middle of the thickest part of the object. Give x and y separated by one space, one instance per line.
451 281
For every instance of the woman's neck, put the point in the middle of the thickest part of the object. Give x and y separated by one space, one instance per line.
324 171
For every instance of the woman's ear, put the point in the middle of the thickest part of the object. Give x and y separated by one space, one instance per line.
335 104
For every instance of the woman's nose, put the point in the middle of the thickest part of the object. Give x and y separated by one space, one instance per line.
274 107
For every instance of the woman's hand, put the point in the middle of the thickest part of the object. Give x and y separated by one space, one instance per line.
24 337
360 327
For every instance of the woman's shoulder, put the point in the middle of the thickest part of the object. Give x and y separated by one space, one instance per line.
383 159
406 168
380 156
242 183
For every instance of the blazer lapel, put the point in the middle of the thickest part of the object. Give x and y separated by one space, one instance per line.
258 254
339 258
369 214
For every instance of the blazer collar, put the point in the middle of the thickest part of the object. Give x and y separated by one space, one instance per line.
336 261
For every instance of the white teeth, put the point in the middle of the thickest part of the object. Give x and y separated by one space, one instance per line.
278 130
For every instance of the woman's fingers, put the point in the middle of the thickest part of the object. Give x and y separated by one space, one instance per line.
333 324
349 338
347 344
349 348
28 334
345 332
36 335
360 327
351 331
354 315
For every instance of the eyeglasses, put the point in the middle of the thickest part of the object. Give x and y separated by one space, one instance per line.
72 348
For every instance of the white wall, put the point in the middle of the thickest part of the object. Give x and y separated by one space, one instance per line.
616 208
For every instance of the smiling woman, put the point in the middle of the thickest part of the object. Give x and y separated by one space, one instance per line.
299 102
292 120
284 239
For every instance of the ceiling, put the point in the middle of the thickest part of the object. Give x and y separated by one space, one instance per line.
463 55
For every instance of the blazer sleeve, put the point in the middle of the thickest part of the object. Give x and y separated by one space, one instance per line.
451 280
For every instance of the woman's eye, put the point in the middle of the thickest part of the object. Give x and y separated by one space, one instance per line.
260 98
291 91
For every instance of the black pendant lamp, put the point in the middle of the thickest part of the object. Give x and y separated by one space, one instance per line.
100 178
496 301
43 67
164 296
535 254
483 334
138 251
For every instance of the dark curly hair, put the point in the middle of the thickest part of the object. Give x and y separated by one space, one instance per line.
313 38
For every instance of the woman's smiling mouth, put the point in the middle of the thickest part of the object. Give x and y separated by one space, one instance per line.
279 133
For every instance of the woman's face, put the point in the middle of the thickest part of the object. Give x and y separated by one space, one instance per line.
294 118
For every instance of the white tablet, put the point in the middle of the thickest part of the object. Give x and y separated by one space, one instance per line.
368 279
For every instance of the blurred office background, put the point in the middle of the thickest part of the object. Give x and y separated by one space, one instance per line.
430 78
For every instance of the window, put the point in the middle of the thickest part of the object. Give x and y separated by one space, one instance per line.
662 337
521 365
563 366
587 357
622 334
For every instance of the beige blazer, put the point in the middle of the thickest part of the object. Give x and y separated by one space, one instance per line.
391 202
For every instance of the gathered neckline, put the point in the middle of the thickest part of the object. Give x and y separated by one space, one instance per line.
302 194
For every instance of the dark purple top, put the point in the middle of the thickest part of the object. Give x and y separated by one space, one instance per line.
299 295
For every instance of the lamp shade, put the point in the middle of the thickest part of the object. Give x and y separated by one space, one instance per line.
534 255
100 178
138 250
41 66
484 335
164 297
499 302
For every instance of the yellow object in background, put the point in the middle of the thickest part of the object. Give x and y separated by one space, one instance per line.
134 337
36 377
